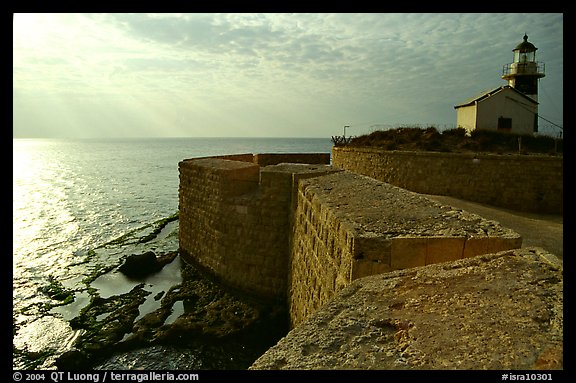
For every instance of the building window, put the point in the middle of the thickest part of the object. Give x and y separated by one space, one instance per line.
504 123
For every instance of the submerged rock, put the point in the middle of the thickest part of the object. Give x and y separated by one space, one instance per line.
140 265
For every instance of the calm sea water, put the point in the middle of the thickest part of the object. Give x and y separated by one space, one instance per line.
70 196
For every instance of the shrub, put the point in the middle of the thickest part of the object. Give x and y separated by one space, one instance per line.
429 139
456 132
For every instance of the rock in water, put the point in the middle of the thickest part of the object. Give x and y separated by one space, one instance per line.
140 265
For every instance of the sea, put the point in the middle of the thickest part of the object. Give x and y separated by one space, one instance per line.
72 196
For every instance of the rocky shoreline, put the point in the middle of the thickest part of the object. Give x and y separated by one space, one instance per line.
210 317
140 319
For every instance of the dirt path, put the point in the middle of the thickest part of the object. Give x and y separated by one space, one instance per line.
542 230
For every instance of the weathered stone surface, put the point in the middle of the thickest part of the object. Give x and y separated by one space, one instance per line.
494 311
375 208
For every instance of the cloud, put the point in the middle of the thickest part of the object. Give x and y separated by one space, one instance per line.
279 70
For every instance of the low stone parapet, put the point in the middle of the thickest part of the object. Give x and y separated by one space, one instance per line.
501 311
531 183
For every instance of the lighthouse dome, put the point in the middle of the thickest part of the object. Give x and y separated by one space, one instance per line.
525 46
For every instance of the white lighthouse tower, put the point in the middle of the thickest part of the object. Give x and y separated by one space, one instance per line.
523 74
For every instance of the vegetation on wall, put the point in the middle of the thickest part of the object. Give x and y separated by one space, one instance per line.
456 140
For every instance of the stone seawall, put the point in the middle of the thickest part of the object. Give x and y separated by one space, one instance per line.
235 218
520 182
299 233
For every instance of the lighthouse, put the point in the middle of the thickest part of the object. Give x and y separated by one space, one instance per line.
509 108
523 74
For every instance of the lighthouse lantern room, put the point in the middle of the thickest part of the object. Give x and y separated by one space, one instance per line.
524 72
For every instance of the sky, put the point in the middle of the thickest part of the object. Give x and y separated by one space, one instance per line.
266 75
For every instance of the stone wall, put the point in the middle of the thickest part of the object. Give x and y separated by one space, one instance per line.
348 226
520 182
314 236
300 233
235 218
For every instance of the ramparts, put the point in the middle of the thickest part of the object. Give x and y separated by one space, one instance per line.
532 183
300 233
235 217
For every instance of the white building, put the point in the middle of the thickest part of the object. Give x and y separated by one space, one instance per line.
511 108
504 109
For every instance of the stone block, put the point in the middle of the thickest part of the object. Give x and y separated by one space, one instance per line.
486 244
408 252
444 249
365 268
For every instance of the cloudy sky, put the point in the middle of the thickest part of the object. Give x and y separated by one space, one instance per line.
265 75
